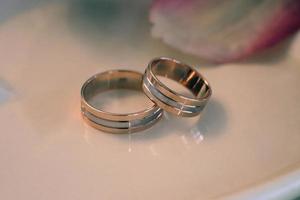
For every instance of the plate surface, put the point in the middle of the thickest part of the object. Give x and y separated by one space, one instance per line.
245 145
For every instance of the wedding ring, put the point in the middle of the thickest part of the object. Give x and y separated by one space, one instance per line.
112 122
170 100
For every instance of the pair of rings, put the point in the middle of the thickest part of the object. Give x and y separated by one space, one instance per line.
163 97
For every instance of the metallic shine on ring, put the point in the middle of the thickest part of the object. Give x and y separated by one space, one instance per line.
111 122
168 99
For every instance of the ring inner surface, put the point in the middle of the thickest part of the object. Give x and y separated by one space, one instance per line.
183 74
114 92
110 81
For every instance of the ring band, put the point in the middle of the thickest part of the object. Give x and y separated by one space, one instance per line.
168 99
111 122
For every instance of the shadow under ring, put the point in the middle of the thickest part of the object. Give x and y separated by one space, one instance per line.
112 122
170 100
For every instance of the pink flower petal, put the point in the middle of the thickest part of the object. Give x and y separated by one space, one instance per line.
224 31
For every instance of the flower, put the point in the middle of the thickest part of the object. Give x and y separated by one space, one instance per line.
224 31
